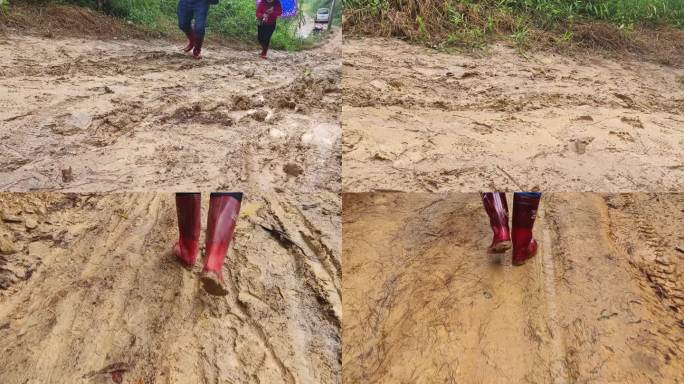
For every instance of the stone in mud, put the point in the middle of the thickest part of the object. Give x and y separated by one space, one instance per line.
259 115
293 169
7 246
286 103
31 223
9 218
276 133
241 103
382 156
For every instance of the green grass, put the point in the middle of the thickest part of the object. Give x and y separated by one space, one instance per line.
619 12
471 23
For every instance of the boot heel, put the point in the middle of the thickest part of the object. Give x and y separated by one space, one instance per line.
500 247
212 283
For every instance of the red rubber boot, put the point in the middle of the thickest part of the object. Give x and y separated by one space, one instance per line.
197 50
188 208
223 212
525 206
191 42
497 209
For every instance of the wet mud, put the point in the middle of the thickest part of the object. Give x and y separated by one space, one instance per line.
415 119
90 293
131 115
600 303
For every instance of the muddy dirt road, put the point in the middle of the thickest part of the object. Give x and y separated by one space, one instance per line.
89 293
603 301
418 120
139 115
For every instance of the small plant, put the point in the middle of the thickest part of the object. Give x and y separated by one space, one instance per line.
421 29
520 32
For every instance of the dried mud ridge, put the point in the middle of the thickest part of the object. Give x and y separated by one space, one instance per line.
507 121
89 293
601 302
91 115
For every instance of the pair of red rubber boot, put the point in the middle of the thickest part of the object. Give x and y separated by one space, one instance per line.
525 206
223 212
194 44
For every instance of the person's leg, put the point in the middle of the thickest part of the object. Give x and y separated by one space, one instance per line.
188 209
261 38
223 212
184 13
201 10
268 32
525 206
497 209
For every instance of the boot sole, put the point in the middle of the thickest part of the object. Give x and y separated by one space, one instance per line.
500 247
212 285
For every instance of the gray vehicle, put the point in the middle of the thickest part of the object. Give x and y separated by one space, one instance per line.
322 15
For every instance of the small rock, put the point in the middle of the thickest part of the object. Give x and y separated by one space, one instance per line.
383 156
259 115
8 218
31 223
7 245
293 169
276 133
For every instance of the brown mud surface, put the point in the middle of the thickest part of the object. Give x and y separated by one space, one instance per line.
89 293
415 119
602 302
101 115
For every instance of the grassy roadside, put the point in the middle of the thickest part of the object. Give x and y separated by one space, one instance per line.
449 24
232 20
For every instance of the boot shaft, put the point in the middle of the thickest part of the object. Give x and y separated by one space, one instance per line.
525 205
189 211
223 213
497 209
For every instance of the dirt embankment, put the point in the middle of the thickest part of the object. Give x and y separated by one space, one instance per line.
93 115
50 20
601 302
89 293
502 120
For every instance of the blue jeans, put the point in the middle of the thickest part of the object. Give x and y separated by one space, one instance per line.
187 9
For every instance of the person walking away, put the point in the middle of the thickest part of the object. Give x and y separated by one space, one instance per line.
198 10
525 205
267 13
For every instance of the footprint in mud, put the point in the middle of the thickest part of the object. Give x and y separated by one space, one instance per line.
633 121
622 135
292 169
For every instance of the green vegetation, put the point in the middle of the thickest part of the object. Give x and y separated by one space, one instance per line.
446 23
232 19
